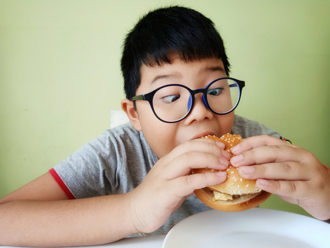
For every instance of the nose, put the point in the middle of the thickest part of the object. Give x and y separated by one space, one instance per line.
191 98
190 102
199 111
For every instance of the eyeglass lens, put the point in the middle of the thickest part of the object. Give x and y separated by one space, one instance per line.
172 103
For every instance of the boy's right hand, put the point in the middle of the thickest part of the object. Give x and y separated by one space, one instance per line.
169 182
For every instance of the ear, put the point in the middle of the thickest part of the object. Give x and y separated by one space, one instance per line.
128 107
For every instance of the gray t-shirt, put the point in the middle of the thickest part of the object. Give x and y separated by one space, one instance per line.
117 162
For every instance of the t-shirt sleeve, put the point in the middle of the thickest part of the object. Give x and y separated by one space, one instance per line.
113 163
61 183
248 128
90 170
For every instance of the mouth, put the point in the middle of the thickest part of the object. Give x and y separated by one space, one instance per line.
203 134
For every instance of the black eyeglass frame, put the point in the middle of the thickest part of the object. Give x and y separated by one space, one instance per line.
149 97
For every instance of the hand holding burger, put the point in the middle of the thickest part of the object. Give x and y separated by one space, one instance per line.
236 193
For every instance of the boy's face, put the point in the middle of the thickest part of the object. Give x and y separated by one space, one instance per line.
163 137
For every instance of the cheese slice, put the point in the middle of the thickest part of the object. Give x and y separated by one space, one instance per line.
217 196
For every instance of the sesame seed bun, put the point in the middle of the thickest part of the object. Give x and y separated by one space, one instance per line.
236 193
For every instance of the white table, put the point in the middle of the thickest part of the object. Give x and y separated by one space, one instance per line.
139 242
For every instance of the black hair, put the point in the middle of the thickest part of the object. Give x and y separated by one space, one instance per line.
165 31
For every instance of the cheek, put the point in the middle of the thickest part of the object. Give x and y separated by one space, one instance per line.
226 123
161 138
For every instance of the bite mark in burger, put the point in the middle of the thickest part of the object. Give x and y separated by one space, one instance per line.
236 193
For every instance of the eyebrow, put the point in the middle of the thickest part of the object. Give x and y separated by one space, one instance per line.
215 68
166 76
178 75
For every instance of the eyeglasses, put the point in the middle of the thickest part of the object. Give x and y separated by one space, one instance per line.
173 102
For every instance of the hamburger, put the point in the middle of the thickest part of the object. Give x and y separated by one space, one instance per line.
236 193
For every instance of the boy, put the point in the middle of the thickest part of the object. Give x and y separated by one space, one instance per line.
135 178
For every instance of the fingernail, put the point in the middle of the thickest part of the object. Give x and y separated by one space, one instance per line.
224 161
221 174
220 144
263 182
235 148
236 159
246 169
226 154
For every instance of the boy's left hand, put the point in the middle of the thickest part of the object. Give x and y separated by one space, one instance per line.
289 171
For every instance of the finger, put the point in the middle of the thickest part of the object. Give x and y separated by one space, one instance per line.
184 186
276 171
258 141
199 145
183 164
218 144
211 141
292 189
268 154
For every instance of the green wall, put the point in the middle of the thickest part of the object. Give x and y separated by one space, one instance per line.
60 73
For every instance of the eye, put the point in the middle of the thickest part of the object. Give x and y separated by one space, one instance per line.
171 98
215 91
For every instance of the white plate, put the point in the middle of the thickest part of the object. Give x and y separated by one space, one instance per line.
252 228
